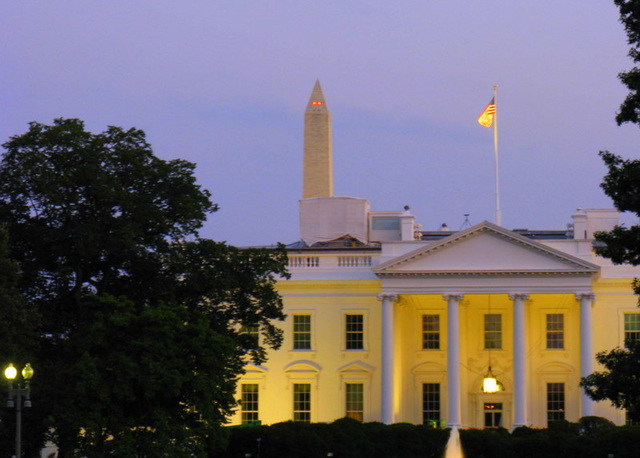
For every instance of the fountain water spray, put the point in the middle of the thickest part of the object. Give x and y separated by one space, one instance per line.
454 446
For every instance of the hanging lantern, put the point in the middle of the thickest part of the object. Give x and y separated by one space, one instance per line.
490 383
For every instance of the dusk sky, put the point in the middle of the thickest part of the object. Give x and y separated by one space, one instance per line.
225 84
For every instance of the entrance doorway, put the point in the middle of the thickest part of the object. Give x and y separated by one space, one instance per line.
492 414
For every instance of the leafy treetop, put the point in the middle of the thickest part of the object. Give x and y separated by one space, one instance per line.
630 17
140 324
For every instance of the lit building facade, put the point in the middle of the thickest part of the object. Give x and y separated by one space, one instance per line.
386 322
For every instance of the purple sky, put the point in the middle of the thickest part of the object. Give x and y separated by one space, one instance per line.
225 83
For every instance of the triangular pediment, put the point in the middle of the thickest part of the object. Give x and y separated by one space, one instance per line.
485 249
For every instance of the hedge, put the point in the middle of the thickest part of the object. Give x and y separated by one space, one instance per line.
591 437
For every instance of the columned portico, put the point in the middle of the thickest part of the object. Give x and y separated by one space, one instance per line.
387 367
453 358
485 263
586 347
519 355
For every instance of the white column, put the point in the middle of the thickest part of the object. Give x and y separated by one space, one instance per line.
586 348
519 357
453 359
387 369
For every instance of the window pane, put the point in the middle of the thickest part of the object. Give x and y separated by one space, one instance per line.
355 401
302 402
355 332
431 403
385 223
555 330
431 332
252 336
555 402
302 332
249 402
631 327
492 331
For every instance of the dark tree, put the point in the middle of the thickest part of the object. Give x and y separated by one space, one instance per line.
18 319
630 17
620 382
622 184
18 344
140 338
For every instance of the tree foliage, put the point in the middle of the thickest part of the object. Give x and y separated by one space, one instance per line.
18 343
18 319
630 18
622 184
620 381
139 334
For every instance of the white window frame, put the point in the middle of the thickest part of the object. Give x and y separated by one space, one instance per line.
564 401
547 331
346 398
254 333
485 331
440 401
422 331
365 329
293 401
623 337
242 407
312 315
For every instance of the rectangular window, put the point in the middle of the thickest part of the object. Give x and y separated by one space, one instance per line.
631 327
492 331
555 402
431 403
251 335
430 332
385 223
302 332
302 402
355 401
492 414
355 332
555 330
249 403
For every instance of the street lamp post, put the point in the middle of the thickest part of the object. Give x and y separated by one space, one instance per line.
15 399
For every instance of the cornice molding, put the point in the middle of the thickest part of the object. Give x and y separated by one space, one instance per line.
340 284
482 273
581 266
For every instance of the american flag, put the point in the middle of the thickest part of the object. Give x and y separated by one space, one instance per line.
486 118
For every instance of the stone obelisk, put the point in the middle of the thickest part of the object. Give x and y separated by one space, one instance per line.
317 170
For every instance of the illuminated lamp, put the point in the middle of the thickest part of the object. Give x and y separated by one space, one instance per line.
27 372
10 372
19 397
490 383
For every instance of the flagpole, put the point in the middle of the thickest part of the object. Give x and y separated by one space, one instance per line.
498 218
